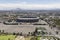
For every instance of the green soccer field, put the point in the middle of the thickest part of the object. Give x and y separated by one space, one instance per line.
7 37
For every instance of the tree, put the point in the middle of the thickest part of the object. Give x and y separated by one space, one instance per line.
21 33
56 32
36 29
17 33
0 31
28 33
8 38
14 33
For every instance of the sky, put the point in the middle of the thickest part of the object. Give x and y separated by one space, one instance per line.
29 4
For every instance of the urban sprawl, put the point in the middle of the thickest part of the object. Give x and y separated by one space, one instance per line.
30 25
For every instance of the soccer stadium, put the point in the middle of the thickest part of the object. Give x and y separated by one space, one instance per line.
27 19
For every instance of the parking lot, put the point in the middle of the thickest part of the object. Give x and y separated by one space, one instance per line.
20 28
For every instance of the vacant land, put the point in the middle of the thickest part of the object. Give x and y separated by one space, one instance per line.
29 37
12 37
7 37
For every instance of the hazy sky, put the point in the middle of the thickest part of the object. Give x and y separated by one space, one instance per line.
29 4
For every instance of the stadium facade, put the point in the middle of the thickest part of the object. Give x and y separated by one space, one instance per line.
27 19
